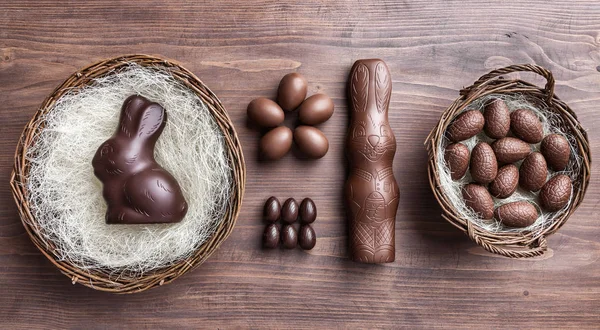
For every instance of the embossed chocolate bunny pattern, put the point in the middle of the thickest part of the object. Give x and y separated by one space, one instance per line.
371 191
137 190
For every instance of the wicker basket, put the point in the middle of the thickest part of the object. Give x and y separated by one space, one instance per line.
101 280
510 244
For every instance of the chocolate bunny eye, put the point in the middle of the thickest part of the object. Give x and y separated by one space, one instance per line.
359 131
106 149
385 131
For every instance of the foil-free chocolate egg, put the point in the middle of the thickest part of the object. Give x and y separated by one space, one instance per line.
484 166
556 150
497 119
271 236
307 239
517 214
533 172
292 91
556 193
506 182
272 209
465 125
289 237
265 113
457 157
316 109
510 150
526 125
311 141
276 143
289 211
479 200
308 211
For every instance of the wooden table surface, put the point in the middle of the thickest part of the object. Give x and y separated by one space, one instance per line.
241 49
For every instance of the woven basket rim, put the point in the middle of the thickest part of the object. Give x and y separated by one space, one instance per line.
101 280
509 244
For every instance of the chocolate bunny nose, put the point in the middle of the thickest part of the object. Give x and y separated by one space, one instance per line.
373 140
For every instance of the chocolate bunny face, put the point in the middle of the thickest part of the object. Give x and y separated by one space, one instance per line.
136 188
370 88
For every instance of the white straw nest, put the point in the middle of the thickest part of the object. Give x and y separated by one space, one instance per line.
66 198
550 123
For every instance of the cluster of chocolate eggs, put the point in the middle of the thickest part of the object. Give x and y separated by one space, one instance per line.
521 159
291 95
288 236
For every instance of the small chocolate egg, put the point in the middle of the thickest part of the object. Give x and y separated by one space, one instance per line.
292 91
484 166
533 172
497 119
307 239
265 113
271 236
465 125
316 109
308 211
506 182
272 209
526 125
510 150
556 193
457 157
311 141
276 143
289 211
289 237
479 200
557 151
517 214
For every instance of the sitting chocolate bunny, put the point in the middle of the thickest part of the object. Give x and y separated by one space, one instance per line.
136 188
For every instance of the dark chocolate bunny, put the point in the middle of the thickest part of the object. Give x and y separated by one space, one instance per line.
136 188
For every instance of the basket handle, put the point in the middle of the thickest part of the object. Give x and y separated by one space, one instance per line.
548 89
536 248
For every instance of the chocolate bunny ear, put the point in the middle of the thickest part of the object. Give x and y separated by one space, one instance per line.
151 121
141 118
131 109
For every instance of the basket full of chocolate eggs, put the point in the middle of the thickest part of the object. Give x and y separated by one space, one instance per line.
509 162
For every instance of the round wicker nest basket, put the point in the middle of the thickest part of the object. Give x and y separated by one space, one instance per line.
101 280
510 244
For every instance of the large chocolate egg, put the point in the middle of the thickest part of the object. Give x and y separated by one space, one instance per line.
265 113
316 109
311 141
292 91
276 143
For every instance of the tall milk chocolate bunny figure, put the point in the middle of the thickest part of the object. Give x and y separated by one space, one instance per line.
136 188
371 192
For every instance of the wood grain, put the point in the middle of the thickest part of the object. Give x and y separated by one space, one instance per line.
241 49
